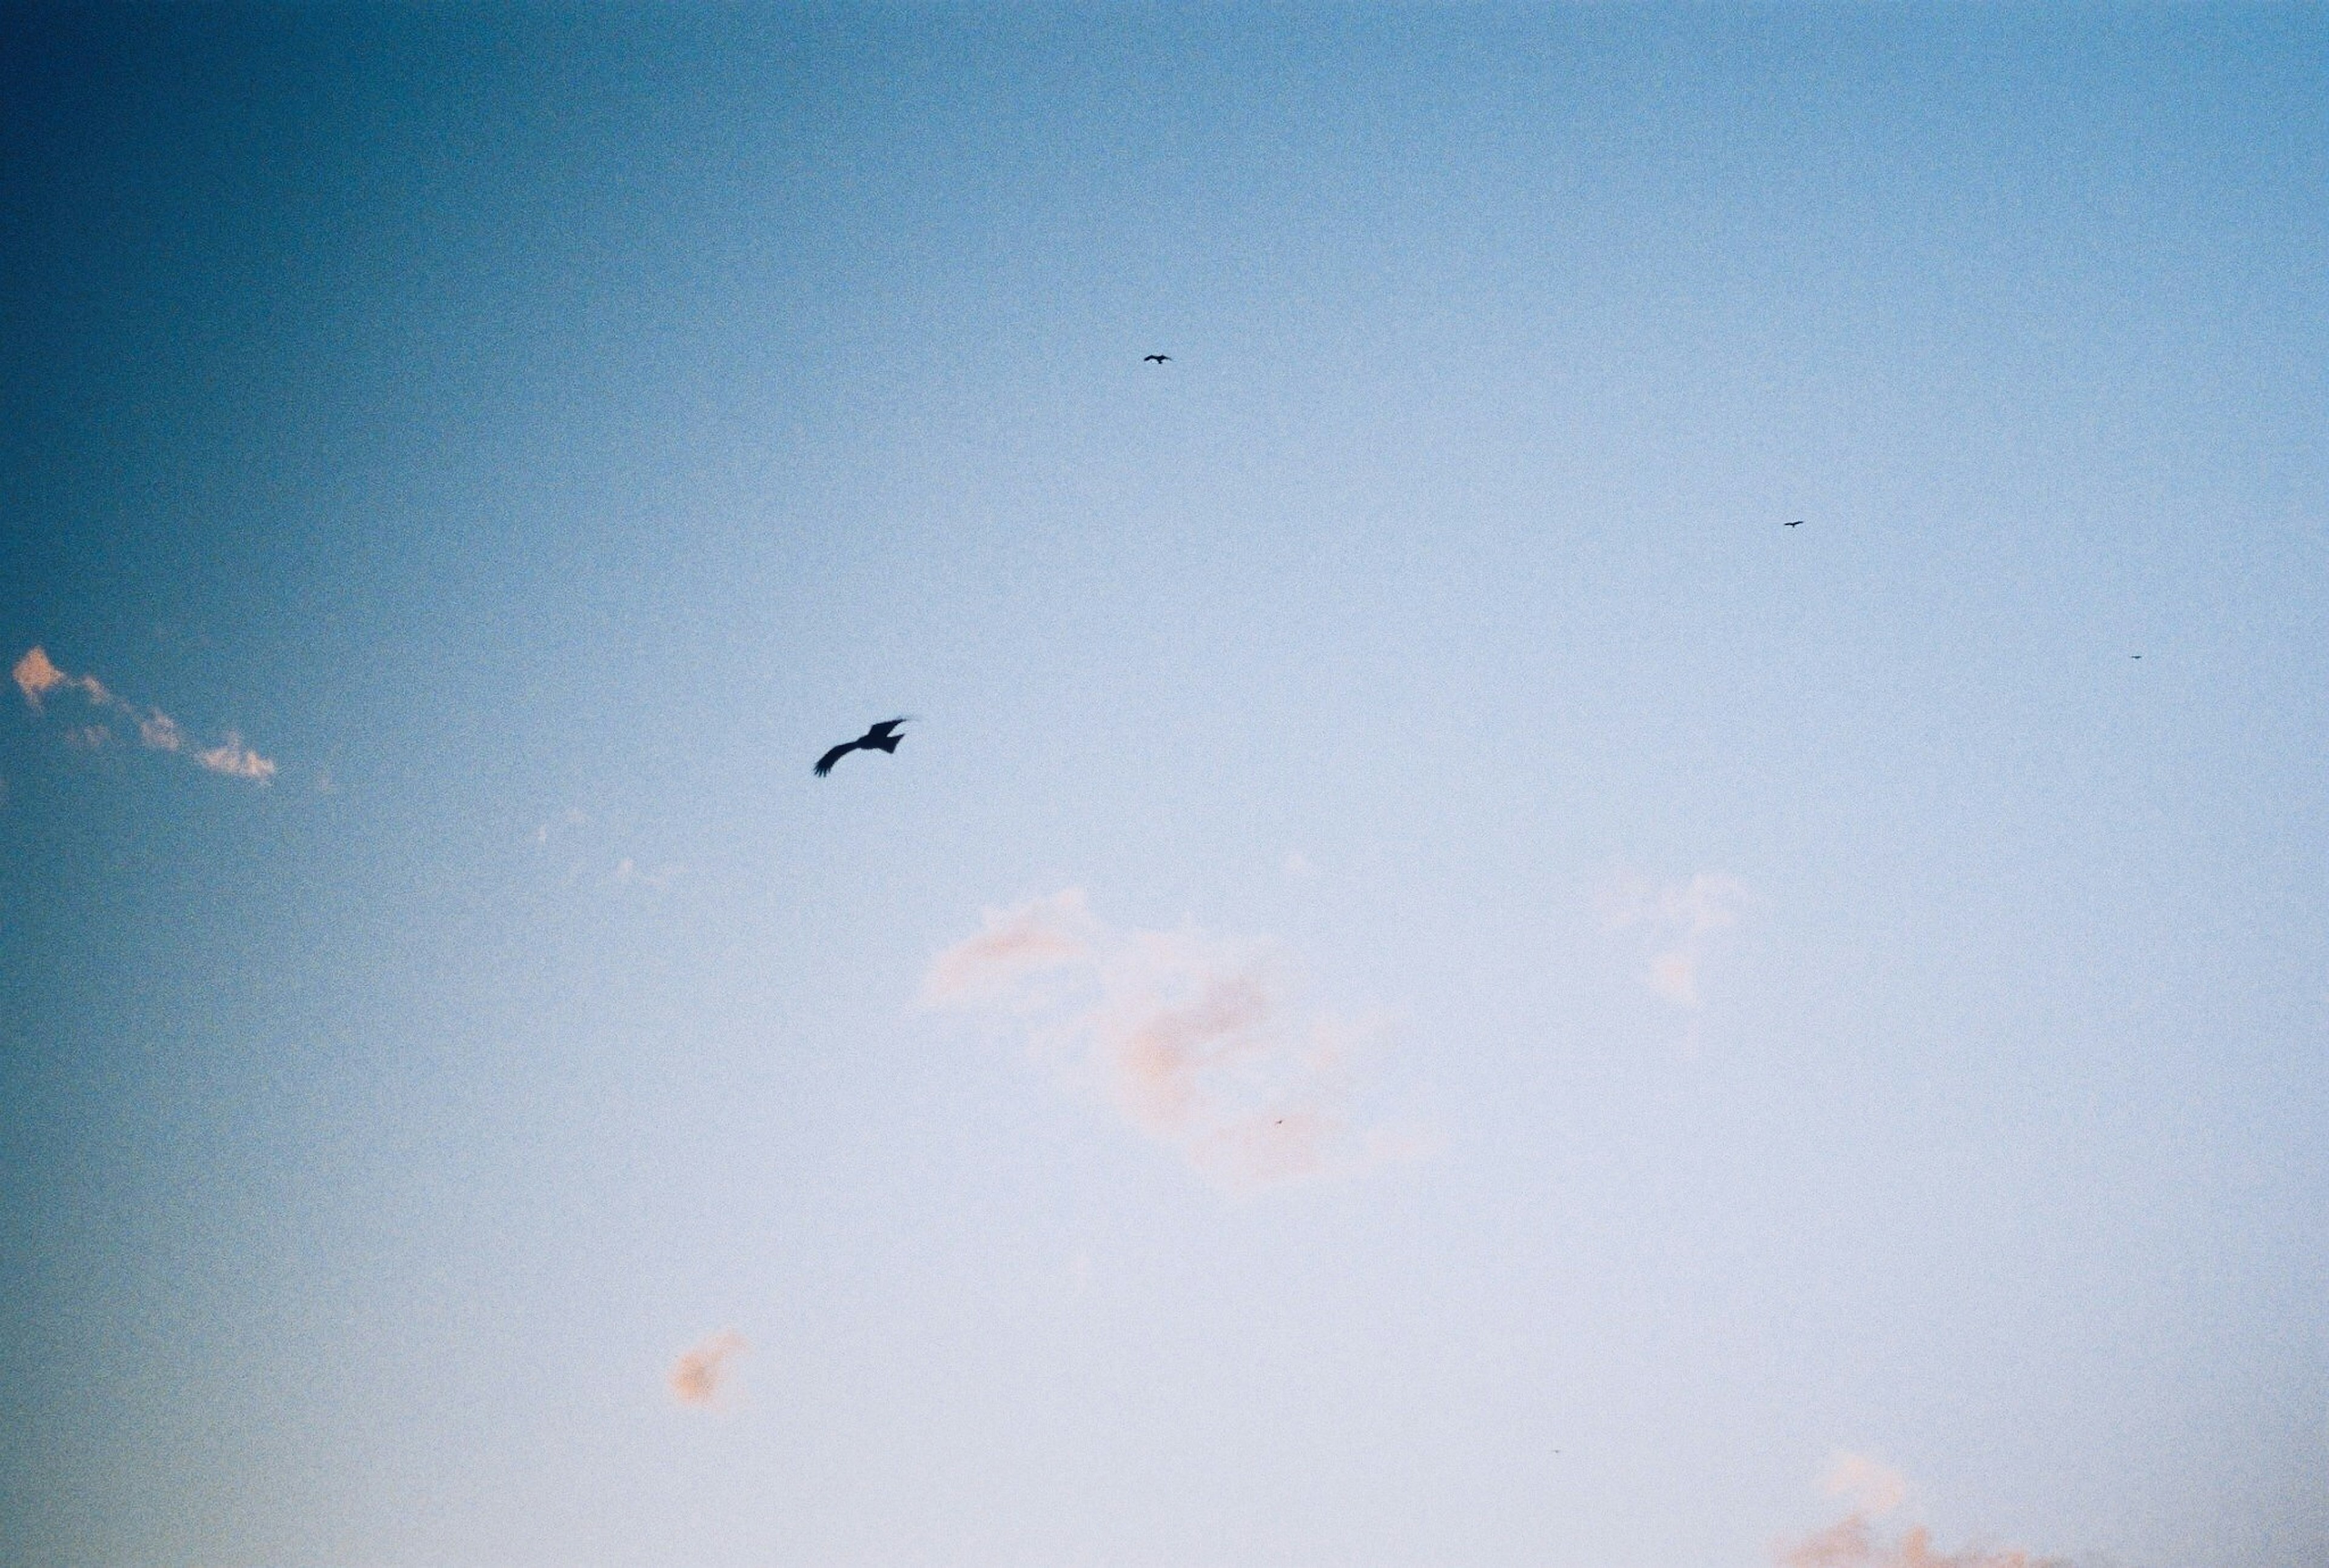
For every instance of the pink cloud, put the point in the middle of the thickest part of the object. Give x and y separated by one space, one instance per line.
160 732
237 761
696 1376
1873 1487
37 677
1031 936
1678 922
1854 1542
1190 1038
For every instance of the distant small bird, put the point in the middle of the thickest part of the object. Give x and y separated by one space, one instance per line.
1155 359
2134 655
1798 523
882 736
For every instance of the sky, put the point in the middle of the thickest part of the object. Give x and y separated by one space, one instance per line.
1430 984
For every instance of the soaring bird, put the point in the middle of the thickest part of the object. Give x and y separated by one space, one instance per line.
882 736
1798 523
1155 359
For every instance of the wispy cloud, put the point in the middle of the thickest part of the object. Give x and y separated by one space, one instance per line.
585 854
1872 1487
1190 1038
1875 1489
1854 1543
696 1376
39 679
1678 922
36 677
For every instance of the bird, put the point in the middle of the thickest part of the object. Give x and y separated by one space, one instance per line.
882 736
1155 359
2134 655
1798 523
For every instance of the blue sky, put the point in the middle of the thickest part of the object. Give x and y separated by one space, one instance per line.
1429 985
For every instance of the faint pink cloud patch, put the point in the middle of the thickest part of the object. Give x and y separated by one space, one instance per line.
697 1376
1193 1039
1015 943
1872 1487
1855 1543
38 676
1875 1489
236 760
1678 922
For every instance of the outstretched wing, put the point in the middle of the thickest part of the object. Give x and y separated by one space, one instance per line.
825 764
882 730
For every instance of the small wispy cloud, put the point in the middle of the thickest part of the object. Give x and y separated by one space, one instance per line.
585 854
1872 1487
1014 944
1189 1038
1678 922
697 1376
1874 1490
39 679
36 677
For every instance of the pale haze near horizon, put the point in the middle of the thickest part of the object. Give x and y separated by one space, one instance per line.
1430 984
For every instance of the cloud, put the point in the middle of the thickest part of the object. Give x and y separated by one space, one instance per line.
1854 1542
38 678
237 761
1015 943
1872 1487
1189 1038
1678 922
696 1376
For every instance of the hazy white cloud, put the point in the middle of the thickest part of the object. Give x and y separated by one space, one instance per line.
1014 943
38 678
586 856
160 732
1871 1487
1678 922
696 1376
1854 1542
1189 1038
236 760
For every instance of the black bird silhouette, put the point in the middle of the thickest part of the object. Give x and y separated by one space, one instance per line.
882 736
1156 358
1798 523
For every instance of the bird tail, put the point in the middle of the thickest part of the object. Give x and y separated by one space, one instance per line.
889 742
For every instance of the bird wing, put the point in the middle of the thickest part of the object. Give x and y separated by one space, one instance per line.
825 764
885 727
